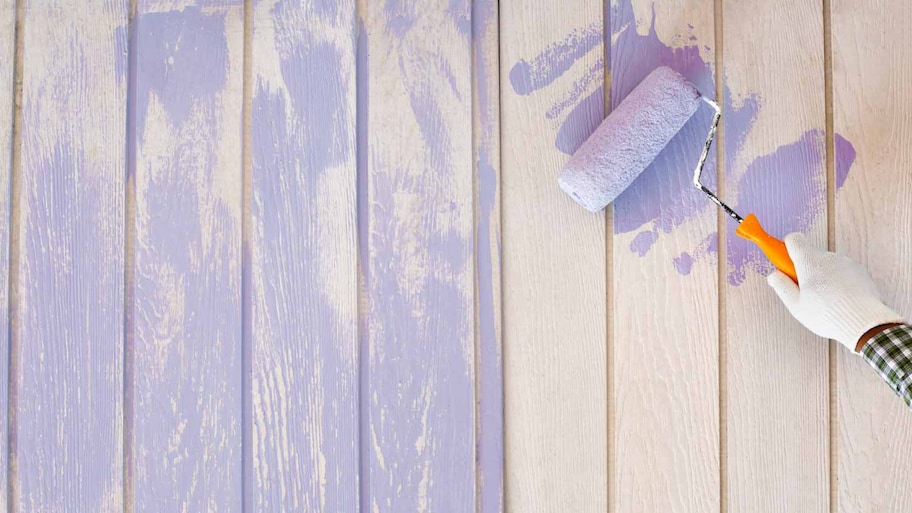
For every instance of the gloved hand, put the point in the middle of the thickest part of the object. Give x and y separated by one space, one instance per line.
835 297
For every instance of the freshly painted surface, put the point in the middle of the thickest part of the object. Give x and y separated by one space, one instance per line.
67 436
416 215
302 259
186 306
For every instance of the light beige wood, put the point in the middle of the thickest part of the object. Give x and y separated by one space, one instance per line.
7 61
554 281
777 411
665 424
872 72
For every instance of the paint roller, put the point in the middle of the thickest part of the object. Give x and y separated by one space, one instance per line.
632 137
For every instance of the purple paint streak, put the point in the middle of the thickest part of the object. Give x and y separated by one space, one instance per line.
184 58
683 263
362 74
529 76
787 192
187 390
490 442
419 305
845 157
305 347
643 241
581 122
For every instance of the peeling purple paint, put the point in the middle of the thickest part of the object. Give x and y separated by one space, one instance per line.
529 76
845 157
184 59
786 191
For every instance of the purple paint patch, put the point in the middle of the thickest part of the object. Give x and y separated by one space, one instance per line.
643 241
845 157
683 263
536 73
184 60
786 190
400 16
581 122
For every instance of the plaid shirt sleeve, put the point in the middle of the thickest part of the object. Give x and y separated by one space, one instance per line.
890 353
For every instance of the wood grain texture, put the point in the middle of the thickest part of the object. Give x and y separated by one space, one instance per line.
303 260
7 72
69 375
553 261
187 302
416 228
488 318
777 371
872 69
665 380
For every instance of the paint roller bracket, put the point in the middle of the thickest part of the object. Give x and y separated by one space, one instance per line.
699 170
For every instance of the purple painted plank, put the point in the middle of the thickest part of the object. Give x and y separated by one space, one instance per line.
7 43
186 304
417 225
303 303
489 363
67 448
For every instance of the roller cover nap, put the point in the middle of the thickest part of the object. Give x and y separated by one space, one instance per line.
629 139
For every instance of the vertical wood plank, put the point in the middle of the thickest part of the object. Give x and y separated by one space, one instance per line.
775 167
7 72
69 375
665 380
303 259
488 319
419 272
872 68
553 262
186 307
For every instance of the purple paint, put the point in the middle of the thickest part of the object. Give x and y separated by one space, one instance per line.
683 263
419 304
581 122
786 190
400 16
643 241
490 443
184 58
529 76
845 157
362 85
737 124
187 386
595 75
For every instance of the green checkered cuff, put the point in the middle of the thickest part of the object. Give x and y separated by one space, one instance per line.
890 353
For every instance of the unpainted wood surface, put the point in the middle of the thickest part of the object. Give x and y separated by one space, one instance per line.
7 72
303 268
777 384
416 228
554 263
68 375
872 69
186 127
488 318
665 381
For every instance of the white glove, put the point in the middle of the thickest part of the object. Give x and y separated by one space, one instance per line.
835 297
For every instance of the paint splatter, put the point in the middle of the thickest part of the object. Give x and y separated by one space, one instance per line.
663 197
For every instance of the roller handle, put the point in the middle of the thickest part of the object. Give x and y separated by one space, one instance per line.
773 248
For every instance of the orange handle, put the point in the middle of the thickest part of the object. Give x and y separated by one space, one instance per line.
773 248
